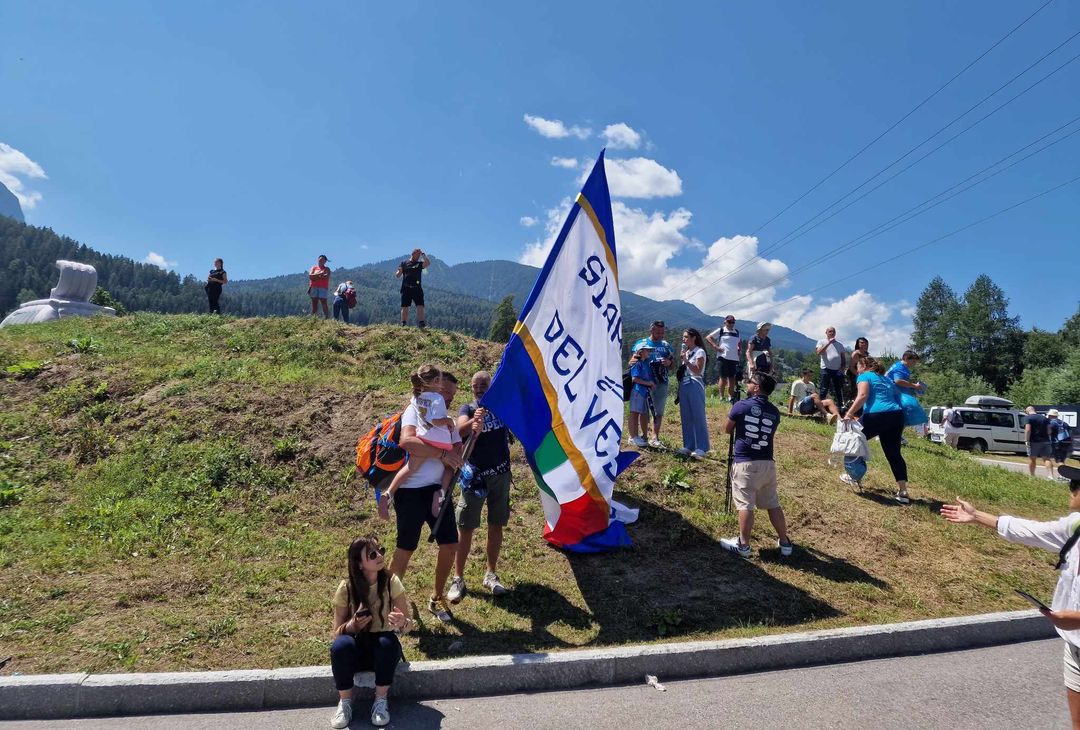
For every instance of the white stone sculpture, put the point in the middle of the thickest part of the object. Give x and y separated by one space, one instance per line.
69 298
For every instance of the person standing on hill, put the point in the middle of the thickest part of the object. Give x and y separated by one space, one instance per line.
1060 437
861 350
759 351
216 279
754 421
900 373
411 272
833 356
725 341
695 427
641 374
660 361
491 483
1037 437
319 286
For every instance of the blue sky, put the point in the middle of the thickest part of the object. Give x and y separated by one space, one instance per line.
269 133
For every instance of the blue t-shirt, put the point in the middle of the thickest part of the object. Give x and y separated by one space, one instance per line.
899 371
661 350
884 395
756 421
641 369
760 344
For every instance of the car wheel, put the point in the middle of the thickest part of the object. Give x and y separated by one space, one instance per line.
978 446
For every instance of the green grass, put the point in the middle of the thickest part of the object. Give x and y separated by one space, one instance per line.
176 493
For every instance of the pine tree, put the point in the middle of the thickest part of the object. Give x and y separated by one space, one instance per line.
503 321
1070 331
991 342
936 316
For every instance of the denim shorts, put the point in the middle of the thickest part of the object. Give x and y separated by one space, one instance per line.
317 292
638 402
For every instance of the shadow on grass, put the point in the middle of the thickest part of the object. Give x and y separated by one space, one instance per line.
933 505
678 580
812 560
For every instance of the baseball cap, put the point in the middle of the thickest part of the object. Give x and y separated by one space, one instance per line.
643 344
764 324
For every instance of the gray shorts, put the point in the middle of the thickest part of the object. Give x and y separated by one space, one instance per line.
498 504
659 398
1072 667
1041 450
638 402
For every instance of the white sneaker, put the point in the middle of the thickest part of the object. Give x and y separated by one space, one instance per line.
655 443
457 589
850 481
786 550
493 584
380 712
733 544
638 441
343 716
698 454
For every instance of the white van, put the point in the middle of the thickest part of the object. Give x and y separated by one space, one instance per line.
990 424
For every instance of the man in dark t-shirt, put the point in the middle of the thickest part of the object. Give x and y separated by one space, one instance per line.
411 272
490 460
754 421
1037 436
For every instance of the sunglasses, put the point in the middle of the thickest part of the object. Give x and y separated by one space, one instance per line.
376 552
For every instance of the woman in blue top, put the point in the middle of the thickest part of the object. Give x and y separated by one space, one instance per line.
882 416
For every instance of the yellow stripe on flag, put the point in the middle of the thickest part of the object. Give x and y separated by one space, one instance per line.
587 207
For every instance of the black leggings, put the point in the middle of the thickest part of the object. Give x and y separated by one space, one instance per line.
888 426
364 652
214 295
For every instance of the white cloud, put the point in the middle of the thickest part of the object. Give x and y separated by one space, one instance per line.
621 137
640 177
568 163
156 259
528 221
555 129
13 165
859 314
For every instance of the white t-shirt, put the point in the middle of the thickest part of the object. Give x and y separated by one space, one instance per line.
800 390
946 421
431 471
696 356
729 342
832 358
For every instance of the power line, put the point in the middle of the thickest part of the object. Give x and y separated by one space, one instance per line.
796 232
920 246
891 127
896 220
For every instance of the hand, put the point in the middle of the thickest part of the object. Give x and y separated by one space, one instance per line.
356 625
452 459
961 513
395 619
383 508
666 362
436 503
1063 619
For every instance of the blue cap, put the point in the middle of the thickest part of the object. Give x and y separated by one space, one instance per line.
643 344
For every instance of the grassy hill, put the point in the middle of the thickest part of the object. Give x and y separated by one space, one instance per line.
175 493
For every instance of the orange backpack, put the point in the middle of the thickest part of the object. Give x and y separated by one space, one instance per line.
378 454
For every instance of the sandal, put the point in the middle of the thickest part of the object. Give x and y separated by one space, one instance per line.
902 498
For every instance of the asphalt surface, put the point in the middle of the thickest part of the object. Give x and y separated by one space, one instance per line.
1013 686
1013 466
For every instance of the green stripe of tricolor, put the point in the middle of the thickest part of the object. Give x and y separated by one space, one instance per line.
550 454
542 484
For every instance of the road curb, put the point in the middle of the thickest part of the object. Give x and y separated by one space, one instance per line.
58 696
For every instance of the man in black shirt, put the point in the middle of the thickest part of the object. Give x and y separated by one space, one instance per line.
410 273
491 463
1037 436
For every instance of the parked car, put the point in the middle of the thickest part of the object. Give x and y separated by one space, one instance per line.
989 424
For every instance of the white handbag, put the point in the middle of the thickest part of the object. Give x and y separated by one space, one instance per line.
849 440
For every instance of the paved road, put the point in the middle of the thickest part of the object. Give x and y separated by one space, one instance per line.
1013 466
1015 686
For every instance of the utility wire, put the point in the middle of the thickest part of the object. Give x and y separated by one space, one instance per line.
919 247
896 221
796 232
890 129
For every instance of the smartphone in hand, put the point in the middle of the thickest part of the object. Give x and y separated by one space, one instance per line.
362 612
1032 600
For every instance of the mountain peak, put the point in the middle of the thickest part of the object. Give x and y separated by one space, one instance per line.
9 205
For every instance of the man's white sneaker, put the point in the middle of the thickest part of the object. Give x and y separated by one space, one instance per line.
733 544
380 712
343 716
655 443
493 584
785 550
638 441
457 589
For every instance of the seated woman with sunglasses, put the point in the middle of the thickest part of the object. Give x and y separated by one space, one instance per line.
370 610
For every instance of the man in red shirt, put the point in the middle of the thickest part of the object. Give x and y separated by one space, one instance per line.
319 286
